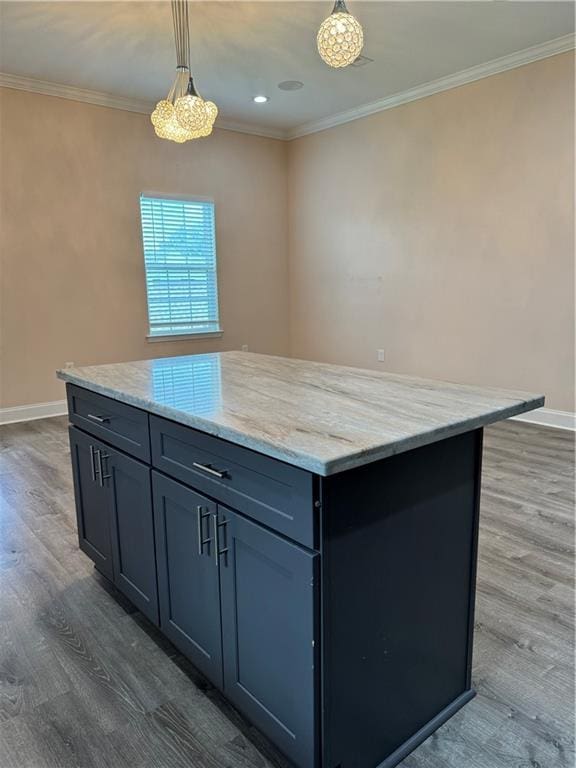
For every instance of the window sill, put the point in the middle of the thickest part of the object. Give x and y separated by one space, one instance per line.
187 336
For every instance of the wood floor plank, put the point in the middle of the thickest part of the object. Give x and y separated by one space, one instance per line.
86 681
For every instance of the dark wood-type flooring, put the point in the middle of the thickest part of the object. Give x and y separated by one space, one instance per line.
86 681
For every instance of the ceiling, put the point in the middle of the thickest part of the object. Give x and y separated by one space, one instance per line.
240 49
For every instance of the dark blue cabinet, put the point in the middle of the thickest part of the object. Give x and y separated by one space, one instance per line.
268 592
240 602
133 555
336 613
188 575
92 508
115 519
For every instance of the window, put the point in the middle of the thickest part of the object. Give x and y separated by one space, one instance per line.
180 262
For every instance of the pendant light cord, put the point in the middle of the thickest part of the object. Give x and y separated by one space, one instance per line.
181 33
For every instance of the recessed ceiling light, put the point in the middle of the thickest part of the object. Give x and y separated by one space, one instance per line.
290 85
260 99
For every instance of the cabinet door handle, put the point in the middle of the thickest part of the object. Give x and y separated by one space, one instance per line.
98 466
99 419
92 463
217 550
216 544
101 470
210 470
201 516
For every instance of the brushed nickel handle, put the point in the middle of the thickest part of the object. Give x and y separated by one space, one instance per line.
216 544
98 469
101 470
210 470
217 550
99 419
92 465
201 516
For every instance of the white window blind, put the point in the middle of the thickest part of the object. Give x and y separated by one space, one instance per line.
180 260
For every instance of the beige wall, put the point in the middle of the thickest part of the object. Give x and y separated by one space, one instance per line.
442 232
72 264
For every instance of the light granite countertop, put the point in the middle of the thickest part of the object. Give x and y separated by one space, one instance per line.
323 418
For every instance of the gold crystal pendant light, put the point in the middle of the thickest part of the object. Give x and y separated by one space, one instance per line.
183 115
340 37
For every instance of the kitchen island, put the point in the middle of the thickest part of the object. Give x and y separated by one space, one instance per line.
306 534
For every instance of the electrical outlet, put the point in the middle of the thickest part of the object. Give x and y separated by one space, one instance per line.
380 355
244 347
69 365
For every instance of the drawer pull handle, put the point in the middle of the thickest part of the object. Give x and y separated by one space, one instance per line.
210 470
99 419
201 540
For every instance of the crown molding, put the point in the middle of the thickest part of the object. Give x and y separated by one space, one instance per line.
100 99
253 130
62 91
494 67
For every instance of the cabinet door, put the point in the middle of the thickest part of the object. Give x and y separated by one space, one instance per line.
188 582
132 520
92 507
268 626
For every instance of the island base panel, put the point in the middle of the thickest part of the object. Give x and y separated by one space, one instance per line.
399 548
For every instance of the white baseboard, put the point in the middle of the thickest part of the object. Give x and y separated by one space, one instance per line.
31 412
548 417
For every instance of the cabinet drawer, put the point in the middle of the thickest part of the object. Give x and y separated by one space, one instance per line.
119 424
274 493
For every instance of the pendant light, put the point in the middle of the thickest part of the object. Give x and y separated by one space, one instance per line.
340 37
183 115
